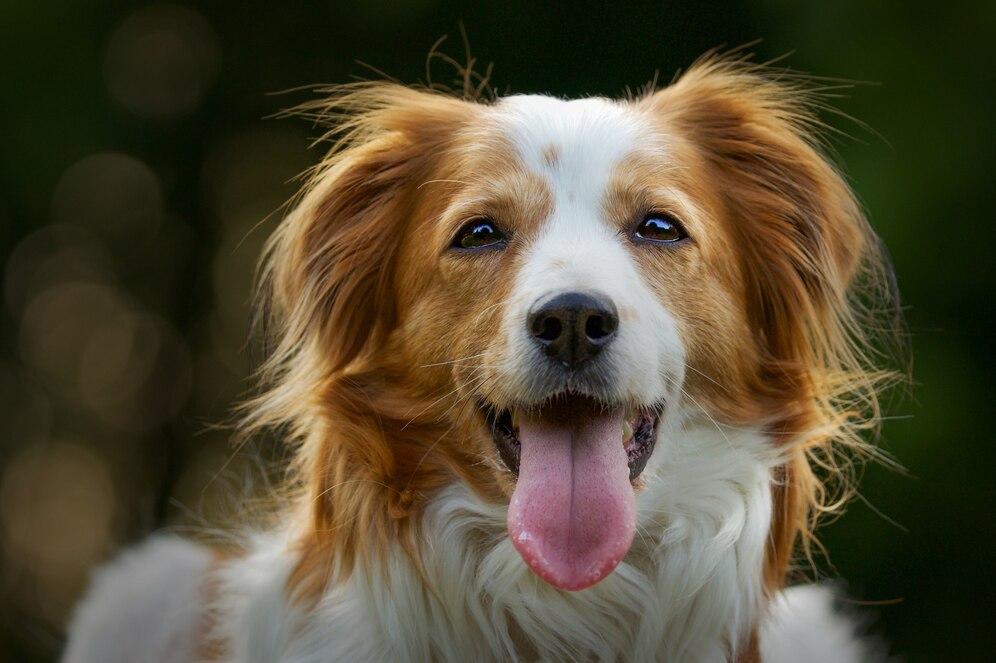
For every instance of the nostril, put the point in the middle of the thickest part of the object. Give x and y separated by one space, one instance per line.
597 327
550 329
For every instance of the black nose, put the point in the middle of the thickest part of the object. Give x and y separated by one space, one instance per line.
573 327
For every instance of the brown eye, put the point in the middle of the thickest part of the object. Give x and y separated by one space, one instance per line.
660 227
479 234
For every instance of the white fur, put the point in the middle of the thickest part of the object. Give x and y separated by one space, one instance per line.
679 596
804 626
578 249
689 587
145 606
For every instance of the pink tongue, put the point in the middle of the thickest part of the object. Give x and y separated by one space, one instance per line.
573 513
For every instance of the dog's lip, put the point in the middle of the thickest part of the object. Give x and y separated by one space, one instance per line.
639 442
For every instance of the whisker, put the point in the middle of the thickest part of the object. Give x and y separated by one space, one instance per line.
442 181
425 455
692 368
434 403
358 480
706 413
453 361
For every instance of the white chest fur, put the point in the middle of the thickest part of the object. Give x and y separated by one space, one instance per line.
690 585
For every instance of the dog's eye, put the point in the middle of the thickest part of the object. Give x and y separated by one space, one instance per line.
660 227
479 234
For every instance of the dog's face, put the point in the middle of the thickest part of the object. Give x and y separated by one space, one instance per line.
573 270
556 279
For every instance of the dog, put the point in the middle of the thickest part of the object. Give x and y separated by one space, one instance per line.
563 380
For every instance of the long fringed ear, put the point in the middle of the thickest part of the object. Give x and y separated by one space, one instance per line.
804 231
327 291
812 269
330 260
329 264
328 285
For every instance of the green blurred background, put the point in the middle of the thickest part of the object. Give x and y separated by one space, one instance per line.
136 164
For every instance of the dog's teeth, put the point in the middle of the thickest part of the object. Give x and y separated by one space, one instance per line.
515 419
627 431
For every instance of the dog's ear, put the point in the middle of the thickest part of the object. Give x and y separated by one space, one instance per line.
328 302
803 235
330 264
812 271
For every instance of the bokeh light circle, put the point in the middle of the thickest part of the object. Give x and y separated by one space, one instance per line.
162 60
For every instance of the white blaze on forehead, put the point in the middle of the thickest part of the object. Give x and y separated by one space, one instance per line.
573 145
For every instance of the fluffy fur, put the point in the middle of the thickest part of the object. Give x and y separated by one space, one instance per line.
803 625
392 543
144 606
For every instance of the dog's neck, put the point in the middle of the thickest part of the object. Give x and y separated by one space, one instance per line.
691 587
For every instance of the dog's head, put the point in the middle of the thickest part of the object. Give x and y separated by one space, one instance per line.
521 294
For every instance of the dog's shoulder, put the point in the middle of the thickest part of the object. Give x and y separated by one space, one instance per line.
147 604
806 623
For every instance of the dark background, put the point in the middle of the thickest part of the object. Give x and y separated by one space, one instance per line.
136 163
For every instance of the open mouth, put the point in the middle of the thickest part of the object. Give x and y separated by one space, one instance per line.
572 515
639 435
